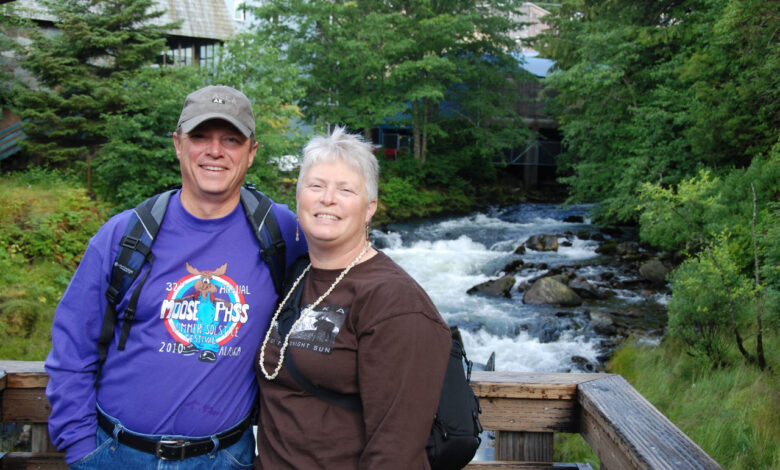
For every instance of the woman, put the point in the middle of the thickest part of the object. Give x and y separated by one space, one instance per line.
365 327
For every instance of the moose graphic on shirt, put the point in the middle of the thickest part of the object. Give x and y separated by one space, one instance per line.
198 320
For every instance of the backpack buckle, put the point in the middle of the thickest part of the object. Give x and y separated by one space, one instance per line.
130 242
112 294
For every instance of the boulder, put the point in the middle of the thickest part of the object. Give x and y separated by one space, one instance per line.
513 266
654 271
542 242
597 237
583 235
550 291
576 219
500 287
609 247
602 323
627 249
585 289
520 250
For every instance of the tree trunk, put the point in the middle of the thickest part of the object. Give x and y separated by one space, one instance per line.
759 332
416 129
424 143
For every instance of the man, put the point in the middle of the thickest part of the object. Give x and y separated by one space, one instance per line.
183 387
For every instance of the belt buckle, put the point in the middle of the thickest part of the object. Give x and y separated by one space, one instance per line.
158 449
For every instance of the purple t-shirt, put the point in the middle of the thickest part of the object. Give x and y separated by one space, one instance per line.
187 366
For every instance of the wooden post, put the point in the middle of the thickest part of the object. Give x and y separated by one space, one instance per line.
524 446
39 438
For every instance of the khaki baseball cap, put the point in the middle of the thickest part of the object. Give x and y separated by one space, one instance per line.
217 102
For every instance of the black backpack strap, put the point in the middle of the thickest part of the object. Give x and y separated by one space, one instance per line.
287 317
273 250
134 252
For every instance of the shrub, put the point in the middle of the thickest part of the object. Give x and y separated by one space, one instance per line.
45 225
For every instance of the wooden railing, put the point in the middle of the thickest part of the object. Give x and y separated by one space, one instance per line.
524 410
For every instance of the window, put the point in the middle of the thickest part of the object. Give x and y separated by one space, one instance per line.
240 14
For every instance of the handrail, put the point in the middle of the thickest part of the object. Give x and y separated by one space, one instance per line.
525 409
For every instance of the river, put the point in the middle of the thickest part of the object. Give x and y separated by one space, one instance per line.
447 256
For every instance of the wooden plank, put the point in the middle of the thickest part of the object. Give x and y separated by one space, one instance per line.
30 461
24 374
530 415
542 385
628 432
524 446
3 380
26 405
508 465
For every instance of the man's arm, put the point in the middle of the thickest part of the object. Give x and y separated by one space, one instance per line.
73 360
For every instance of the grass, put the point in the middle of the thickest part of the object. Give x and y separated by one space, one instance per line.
732 412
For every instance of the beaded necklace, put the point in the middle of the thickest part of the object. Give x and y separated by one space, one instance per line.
303 314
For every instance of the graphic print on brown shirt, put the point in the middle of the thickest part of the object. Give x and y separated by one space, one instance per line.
316 331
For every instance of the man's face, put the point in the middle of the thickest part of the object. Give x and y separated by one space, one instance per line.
213 158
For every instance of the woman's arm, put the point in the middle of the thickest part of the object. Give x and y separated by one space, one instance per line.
401 366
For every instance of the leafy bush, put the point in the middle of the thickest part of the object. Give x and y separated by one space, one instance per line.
45 225
703 290
727 225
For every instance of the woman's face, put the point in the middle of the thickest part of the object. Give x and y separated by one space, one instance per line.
332 206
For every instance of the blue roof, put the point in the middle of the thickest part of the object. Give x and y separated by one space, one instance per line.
536 65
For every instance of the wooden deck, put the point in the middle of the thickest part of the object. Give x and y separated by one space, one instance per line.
525 410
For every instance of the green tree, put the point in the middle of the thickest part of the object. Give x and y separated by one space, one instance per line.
729 226
138 159
654 91
98 44
369 62
274 87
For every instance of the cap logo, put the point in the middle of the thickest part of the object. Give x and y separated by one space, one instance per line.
218 100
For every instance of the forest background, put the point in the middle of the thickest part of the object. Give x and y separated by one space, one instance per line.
669 112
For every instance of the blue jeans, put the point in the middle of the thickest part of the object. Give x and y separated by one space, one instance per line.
109 454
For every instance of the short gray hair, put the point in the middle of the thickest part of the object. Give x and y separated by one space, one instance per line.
352 149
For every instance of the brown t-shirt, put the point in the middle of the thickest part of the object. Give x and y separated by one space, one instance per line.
378 334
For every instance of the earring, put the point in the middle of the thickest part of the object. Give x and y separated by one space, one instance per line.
297 230
368 230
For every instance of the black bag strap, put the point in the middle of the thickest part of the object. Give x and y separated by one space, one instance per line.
134 252
258 209
287 318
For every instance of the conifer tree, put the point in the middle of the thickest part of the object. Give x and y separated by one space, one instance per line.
79 72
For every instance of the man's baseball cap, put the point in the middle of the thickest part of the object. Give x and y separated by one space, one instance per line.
217 102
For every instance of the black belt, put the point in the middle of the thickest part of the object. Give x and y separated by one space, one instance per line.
176 449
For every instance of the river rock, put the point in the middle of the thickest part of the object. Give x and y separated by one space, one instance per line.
585 289
609 247
542 242
654 271
597 237
628 251
513 266
584 364
500 287
550 291
520 250
576 219
602 323
583 235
